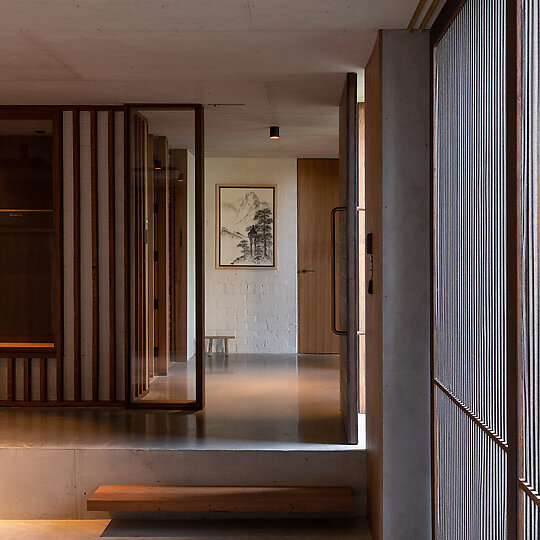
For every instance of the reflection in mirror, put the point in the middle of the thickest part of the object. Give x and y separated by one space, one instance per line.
163 365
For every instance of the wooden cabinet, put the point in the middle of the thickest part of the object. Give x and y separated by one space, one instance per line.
30 270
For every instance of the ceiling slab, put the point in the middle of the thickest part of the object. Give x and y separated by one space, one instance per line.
284 61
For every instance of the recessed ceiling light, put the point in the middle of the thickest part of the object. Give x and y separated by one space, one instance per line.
274 132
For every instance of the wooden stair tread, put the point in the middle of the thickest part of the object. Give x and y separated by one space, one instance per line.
221 499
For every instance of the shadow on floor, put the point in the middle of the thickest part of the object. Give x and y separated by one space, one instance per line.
242 529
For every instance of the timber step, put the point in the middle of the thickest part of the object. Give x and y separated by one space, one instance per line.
221 499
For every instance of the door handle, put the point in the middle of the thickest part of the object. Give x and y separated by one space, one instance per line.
305 271
334 316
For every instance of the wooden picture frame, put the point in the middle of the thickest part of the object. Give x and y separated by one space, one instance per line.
246 226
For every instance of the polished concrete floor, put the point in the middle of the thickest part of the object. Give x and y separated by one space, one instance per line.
177 385
252 402
315 529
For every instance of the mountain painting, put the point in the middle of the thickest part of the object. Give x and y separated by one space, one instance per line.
245 218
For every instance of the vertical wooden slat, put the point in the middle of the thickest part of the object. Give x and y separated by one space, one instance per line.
112 251
172 256
77 368
515 39
178 255
140 210
513 281
27 391
11 379
136 178
59 251
127 250
348 174
145 259
199 256
162 232
150 292
43 379
95 254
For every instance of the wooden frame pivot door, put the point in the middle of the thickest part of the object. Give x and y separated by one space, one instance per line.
154 262
346 297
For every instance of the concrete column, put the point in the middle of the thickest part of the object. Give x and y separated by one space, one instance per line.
401 482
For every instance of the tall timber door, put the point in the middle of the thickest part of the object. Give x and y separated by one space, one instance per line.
345 236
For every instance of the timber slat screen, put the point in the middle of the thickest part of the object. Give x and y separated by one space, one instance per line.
486 256
89 366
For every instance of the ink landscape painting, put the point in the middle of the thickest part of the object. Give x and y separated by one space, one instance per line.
246 226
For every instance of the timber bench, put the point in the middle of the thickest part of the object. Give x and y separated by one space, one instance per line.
225 343
327 500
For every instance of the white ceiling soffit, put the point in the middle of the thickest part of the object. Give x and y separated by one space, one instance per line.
283 60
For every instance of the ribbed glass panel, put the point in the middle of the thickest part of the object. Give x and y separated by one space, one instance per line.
531 245
470 274
470 229
531 519
471 478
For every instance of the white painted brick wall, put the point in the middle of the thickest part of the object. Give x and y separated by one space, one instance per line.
258 306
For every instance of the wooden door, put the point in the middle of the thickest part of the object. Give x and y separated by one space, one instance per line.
161 255
149 239
318 194
178 253
346 262
139 383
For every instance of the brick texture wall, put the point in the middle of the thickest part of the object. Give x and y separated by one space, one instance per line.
258 306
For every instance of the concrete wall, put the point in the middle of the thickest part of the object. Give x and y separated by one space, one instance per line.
258 306
67 477
406 284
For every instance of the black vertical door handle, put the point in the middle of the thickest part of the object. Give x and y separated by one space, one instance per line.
334 315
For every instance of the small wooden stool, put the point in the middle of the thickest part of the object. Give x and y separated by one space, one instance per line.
225 342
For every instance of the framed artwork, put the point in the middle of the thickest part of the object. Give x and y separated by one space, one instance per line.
246 226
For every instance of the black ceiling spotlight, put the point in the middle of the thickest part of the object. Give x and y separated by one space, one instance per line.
274 132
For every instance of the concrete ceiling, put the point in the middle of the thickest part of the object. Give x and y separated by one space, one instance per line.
284 61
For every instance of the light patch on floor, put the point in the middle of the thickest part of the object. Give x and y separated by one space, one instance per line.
260 529
88 529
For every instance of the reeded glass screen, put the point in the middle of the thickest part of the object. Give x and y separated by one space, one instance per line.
470 274
530 265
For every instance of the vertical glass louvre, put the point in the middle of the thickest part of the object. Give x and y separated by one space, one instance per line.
470 274
531 519
471 477
530 146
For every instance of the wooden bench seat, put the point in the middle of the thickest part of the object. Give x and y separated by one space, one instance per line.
221 499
